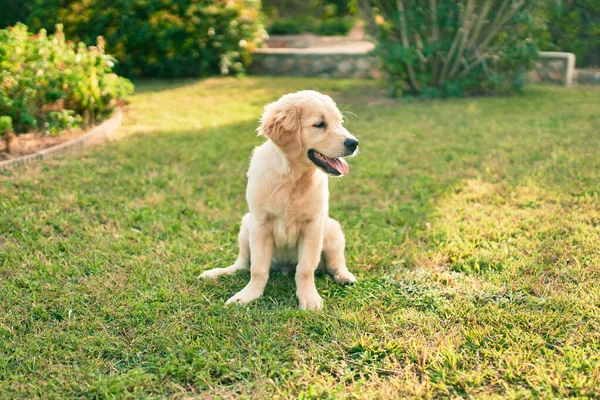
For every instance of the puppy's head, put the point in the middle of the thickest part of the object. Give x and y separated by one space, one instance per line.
307 127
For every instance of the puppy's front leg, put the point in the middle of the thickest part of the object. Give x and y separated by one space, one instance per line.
309 255
261 253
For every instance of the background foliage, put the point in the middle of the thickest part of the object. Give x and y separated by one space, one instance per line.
574 26
323 17
454 47
162 38
335 26
315 9
48 83
14 11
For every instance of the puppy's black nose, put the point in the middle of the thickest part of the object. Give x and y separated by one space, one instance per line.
351 144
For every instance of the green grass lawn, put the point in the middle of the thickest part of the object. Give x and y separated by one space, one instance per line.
472 225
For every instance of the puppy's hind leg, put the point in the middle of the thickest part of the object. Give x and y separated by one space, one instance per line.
243 260
333 250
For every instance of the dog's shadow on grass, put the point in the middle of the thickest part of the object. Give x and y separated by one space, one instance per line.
280 290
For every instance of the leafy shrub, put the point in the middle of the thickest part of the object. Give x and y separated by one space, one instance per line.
334 26
323 17
326 27
162 38
48 83
285 26
6 131
574 26
453 47
315 9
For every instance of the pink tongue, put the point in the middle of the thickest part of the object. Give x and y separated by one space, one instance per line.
339 164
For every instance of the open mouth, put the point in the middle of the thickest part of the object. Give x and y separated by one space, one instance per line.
333 166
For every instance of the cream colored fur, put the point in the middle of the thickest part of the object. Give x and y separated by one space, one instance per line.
287 194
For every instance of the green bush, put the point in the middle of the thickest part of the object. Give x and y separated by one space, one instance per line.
334 26
162 38
326 27
5 124
323 17
285 26
314 9
48 83
574 26
6 132
453 47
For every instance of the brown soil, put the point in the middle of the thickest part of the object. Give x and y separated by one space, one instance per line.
33 142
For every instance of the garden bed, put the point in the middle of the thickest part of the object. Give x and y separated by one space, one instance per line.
33 142
30 147
52 85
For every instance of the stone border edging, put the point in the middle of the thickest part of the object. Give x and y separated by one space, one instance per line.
587 76
352 59
96 135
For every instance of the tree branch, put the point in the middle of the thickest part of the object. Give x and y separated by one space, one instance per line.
446 62
479 24
435 33
366 12
435 37
480 59
409 69
468 22
422 58
499 22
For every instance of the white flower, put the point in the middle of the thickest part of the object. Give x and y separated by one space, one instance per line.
211 32
243 43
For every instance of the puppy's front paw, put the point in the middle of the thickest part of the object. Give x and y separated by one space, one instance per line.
244 296
310 301
344 278
211 273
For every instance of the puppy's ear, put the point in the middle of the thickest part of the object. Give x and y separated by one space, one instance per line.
281 124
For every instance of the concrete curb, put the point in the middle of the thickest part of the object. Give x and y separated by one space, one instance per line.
99 134
587 76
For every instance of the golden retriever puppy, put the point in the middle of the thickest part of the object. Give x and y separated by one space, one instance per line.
288 195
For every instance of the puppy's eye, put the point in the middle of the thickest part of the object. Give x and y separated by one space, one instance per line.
320 125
